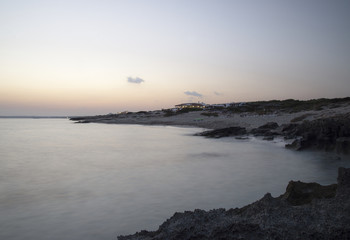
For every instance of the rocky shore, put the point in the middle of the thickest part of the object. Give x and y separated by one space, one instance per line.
316 124
304 211
327 134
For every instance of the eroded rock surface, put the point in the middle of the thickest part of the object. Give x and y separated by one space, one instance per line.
325 214
268 131
329 134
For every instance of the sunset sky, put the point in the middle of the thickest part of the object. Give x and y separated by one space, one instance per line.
96 57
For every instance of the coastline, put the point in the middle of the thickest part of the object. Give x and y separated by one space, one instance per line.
322 217
322 128
223 119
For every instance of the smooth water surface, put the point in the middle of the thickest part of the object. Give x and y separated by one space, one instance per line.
60 180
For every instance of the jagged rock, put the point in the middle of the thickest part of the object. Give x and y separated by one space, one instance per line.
223 132
305 211
329 134
265 130
295 145
288 130
299 193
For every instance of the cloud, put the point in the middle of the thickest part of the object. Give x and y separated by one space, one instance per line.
136 80
193 93
217 93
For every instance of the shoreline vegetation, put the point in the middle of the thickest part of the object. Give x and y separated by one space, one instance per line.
322 124
304 211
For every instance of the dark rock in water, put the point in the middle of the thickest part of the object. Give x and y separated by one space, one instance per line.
77 118
329 134
269 138
242 138
295 145
224 132
265 130
83 121
305 211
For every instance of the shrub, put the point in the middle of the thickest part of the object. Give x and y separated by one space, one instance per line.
209 114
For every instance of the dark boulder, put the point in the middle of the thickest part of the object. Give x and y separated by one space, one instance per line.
295 145
224 132
299 193
265 130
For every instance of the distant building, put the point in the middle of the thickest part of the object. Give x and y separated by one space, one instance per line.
222 105
190 105
218 105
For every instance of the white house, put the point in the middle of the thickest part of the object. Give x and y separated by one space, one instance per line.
190 105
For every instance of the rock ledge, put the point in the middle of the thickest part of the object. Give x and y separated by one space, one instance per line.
305 211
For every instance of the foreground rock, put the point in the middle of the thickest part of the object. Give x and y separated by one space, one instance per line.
305 211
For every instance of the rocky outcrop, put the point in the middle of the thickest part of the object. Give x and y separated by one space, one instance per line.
330 134
305 211
91 119
299 193
224 132
268 131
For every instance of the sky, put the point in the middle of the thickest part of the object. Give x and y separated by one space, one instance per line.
75 57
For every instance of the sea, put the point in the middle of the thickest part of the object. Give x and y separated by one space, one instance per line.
61 180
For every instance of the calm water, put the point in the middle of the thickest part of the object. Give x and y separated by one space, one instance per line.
60 180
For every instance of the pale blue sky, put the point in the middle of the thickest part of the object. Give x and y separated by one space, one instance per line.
76 57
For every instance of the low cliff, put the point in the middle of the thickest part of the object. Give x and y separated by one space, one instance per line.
326 134
305 211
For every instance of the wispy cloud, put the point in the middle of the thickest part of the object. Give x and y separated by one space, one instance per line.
193 93
136 80
217 93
